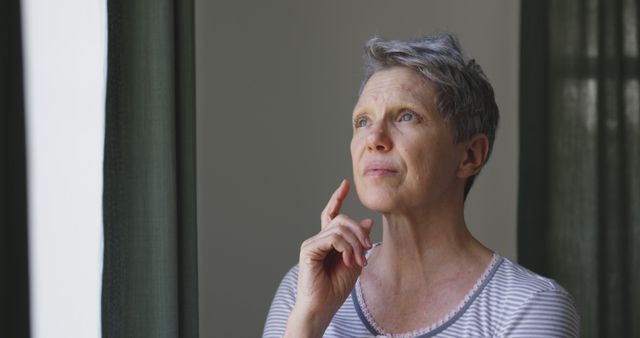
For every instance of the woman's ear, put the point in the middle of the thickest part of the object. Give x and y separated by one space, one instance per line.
476 150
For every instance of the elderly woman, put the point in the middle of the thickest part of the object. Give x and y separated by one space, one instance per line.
423 128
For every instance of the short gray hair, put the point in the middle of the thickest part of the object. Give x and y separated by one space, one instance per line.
464 95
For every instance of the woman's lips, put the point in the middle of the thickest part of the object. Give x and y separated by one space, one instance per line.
379 169
380 172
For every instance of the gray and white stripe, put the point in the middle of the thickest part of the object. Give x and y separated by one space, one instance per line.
511 302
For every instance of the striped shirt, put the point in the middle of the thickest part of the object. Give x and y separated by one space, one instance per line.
507 301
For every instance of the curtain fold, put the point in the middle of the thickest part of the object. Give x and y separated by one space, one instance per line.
14 267
579 191
150 276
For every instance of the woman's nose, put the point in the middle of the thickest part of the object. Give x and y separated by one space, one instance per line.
378 139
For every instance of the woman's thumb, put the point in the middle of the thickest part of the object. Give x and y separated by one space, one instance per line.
367 223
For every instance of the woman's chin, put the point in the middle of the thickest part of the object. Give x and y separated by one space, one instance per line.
381 202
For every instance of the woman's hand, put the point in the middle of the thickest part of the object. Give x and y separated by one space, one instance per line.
330 263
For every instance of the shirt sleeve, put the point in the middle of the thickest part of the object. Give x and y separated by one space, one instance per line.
282 305
547 313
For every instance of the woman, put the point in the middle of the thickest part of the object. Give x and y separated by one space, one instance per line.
423 127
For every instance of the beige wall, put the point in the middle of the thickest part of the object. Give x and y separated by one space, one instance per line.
276 82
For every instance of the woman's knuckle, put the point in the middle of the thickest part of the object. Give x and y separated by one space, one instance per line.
305 243
340 218
338 229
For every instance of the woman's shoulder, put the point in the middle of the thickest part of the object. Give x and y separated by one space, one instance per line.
515 277
531 302
289 282
281 305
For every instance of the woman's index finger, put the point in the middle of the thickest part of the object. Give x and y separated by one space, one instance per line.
338 197
335 203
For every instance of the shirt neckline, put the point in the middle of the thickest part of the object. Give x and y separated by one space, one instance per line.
438 326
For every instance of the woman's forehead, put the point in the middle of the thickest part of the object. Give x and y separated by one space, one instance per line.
397 85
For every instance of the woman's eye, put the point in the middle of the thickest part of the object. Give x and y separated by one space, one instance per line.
361 122
406 117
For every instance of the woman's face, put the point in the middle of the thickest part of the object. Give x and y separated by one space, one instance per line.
402 150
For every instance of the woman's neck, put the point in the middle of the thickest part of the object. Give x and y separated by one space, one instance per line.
419 247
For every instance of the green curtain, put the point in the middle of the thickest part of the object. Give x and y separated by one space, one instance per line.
579 191
150 284
14 268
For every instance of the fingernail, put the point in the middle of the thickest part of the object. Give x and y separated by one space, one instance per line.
369 245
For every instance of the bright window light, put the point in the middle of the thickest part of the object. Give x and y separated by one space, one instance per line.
65 60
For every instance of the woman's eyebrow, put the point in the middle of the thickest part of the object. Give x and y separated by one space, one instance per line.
359 109
417 107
